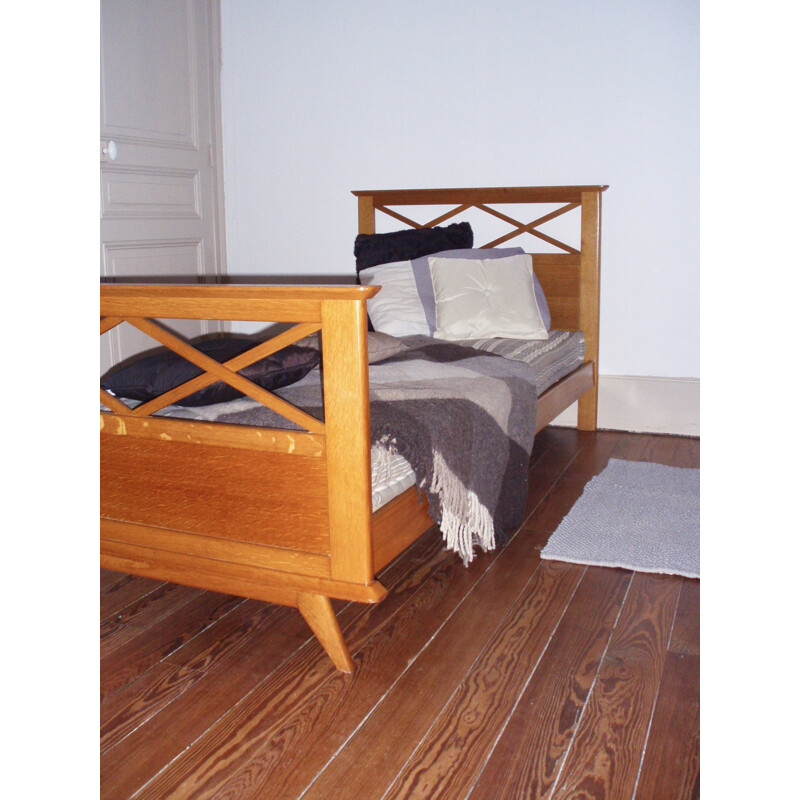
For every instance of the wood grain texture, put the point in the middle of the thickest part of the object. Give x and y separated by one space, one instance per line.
302 744
318 612
604 755
685 637
563 394
155 643
141 614
345 379
200 690
394 526
387 739
453 751
516 194
268 303
671 765
191 431
243 579
590 298
245 495
124 589
527 757
255 555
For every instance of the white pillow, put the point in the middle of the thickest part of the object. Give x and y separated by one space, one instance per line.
396 309
486 298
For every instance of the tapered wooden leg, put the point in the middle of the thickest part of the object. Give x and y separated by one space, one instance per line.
318 613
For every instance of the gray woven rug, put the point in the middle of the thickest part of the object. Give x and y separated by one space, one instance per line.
636 515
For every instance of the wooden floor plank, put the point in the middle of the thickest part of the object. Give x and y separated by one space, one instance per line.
604 755
210 695
685 636
272 723
109 579
671 765
527 757
141 700
142 614
116 595
137 655
450 756
380 748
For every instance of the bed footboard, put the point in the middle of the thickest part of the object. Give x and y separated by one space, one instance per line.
276 515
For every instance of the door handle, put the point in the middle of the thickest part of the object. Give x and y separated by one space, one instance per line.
108 150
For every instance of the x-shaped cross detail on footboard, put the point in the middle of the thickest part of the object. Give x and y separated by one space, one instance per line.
215 371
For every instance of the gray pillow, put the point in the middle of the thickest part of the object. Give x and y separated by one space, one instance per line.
379 345
422 276
382 345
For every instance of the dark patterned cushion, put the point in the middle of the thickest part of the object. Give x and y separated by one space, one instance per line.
384 248
146 377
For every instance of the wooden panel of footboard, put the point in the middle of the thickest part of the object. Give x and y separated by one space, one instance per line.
275 499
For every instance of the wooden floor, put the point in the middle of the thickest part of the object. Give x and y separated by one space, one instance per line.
513 678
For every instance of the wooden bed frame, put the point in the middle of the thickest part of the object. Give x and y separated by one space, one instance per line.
284 516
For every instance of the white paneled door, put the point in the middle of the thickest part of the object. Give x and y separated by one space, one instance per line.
160 178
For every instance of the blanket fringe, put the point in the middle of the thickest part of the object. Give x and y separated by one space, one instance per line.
465 522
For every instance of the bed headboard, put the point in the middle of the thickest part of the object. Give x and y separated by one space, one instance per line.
570 276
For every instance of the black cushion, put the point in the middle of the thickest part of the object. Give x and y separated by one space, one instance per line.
149 376
372 249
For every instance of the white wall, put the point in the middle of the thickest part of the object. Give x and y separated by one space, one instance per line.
319 98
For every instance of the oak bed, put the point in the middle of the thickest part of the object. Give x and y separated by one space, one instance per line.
285 516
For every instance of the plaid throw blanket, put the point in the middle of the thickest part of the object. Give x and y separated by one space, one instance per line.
462 418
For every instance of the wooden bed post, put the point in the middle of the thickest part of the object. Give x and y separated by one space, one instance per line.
590 300
366 214
346 389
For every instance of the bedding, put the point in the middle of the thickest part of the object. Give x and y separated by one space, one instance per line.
463 419
397 309
406 304
422 276
552 359
149 376
379 345
478 298
371 249
408 374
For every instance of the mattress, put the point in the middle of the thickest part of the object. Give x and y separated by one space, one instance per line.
551 358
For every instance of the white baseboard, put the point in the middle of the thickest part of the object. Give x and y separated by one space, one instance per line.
644 405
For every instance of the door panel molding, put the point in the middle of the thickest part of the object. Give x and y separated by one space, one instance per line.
162 199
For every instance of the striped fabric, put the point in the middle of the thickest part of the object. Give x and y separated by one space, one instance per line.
552 359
